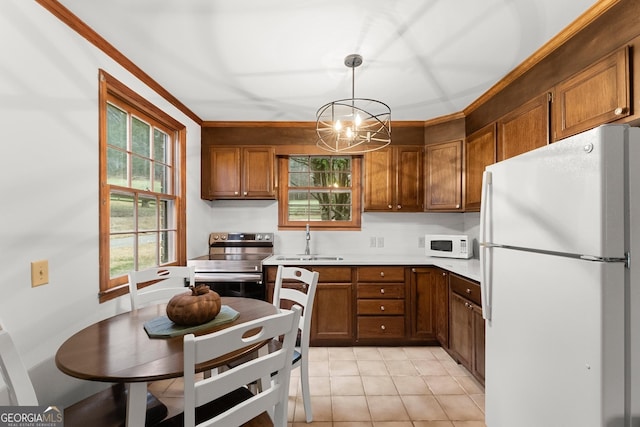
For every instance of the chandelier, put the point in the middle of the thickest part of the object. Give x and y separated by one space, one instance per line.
353 125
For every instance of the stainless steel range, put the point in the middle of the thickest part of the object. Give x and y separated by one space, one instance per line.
233 266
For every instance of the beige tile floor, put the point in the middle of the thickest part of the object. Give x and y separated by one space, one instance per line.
376 387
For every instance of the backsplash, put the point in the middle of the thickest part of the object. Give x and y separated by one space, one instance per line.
381 233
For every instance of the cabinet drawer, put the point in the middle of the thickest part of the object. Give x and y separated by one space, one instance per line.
466 288
380 290
333 274
381 274
381 326
381 307
327 274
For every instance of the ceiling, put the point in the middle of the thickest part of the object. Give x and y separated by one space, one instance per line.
280 60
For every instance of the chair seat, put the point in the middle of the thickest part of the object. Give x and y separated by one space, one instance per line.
108 408
218 406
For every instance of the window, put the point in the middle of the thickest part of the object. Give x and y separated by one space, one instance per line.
321 190
142 152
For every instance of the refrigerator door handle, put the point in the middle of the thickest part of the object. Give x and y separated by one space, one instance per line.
485 249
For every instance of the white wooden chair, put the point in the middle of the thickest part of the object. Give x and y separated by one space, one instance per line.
106 408
224 399
300 290
157 292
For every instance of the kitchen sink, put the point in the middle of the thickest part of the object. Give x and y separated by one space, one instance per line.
309 258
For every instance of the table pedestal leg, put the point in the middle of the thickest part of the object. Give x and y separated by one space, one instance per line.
136 404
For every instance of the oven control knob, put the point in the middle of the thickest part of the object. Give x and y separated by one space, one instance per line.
224 237
267 237
216 237
258 236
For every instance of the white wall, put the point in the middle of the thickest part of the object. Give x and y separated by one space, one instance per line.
49 186
400 231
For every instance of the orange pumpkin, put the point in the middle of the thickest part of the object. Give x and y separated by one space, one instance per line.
196 308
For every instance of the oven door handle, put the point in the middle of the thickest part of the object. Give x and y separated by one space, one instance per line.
228 277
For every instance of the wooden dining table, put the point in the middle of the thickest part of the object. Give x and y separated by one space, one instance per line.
119 350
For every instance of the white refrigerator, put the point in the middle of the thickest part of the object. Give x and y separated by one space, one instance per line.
559 229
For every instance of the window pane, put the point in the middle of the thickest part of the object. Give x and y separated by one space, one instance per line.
320 164
116 127
147 213
117 167
167 245
140 173
299 179
121 254
167 218
298 164
122 213
140 137
160 179
160 140
147 250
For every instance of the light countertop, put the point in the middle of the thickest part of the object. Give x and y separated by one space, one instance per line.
468 268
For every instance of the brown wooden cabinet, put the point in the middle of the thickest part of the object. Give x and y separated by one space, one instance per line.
393 179
480 152
525 128
238 172
444 176
466 326
332 319
429 305
380 304
597 95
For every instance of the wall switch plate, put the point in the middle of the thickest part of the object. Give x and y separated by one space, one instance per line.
381 242
421 242
372 242
39 273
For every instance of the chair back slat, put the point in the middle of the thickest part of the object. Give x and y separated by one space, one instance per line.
176 281
14 373
272 398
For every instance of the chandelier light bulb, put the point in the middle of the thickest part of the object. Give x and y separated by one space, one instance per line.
337 126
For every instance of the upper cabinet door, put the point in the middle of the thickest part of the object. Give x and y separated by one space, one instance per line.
480 153
379 180
393 180
525 128
258 172
444 176
599 94
221 175
410 180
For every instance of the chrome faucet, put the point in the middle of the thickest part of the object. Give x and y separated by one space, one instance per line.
308 238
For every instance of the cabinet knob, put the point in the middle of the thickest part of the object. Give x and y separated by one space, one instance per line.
468 291
382 308
390 207
382 290
444 274
383 327
466 304
619 111
245 193
399 206
235 192
382 274
457 206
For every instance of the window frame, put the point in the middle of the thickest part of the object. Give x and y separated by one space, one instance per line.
113 91
283 197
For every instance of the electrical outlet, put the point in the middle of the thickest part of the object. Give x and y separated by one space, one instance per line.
381 242
372 242
421 242
39 273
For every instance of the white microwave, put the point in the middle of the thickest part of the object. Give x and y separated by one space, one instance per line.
448 246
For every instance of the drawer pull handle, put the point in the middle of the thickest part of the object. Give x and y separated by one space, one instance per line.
383 327
382 290
382 308
468 291
382 274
